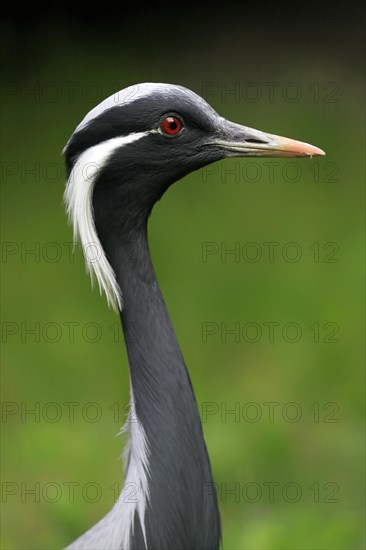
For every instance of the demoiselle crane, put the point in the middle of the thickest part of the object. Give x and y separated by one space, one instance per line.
120 160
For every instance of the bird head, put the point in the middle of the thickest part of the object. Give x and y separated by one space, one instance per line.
131 147
164 131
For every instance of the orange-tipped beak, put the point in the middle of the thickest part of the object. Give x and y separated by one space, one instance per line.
293 148
247 142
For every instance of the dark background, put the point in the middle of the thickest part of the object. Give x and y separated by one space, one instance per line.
283 413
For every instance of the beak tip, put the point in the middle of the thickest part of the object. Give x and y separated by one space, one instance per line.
299 148
313 151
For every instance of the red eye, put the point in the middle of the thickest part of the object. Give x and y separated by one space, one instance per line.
171 125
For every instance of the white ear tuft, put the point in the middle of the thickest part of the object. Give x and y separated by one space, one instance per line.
79 204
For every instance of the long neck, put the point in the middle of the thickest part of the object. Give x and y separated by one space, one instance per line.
182 508
158 372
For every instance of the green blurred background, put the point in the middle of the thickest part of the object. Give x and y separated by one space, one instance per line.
310 451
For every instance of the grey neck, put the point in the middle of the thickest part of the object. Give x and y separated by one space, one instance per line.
182 495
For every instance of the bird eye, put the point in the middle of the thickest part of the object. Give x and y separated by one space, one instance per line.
171 125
